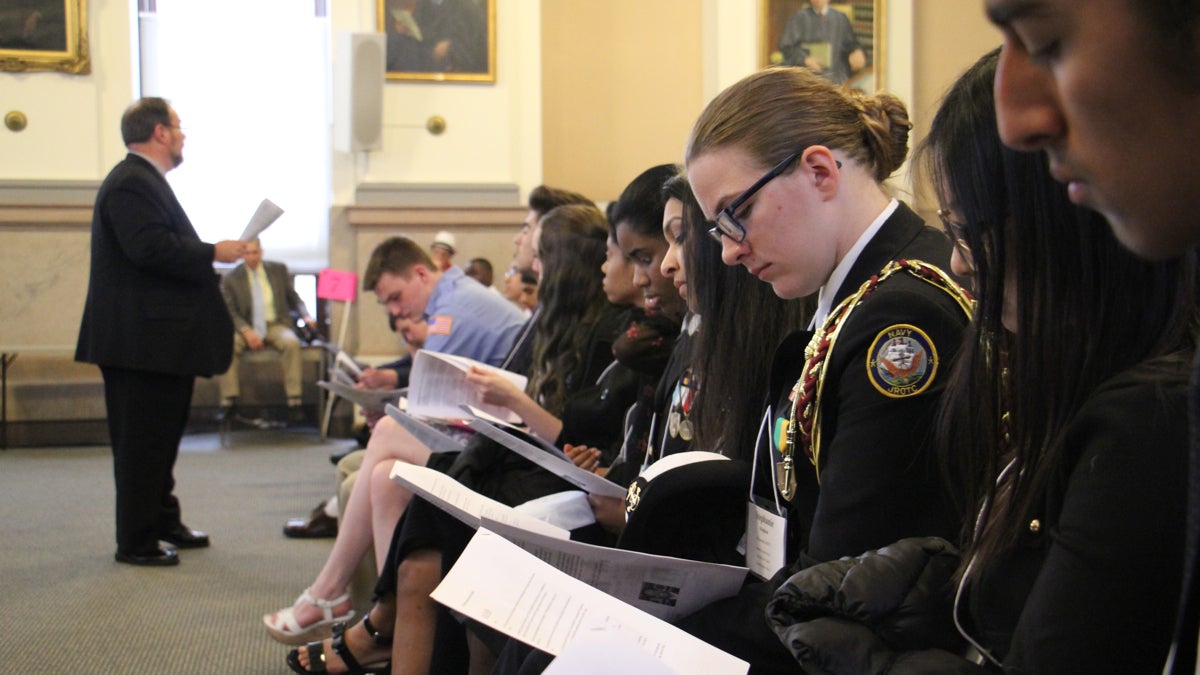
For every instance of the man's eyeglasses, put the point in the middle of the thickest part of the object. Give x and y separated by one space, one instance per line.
727 223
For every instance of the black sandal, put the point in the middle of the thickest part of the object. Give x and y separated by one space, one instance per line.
316 652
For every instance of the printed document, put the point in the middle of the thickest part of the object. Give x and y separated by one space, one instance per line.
506 588
438 385
463 503
430 436
555 463
367 399
669 588
266 213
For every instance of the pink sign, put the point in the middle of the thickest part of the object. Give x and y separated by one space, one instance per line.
337 285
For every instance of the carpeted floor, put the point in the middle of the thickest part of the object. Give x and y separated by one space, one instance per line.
67 607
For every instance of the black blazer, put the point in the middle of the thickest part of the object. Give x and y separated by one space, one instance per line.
154 302
879 477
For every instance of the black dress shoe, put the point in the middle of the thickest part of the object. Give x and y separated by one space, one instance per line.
185 537
160 557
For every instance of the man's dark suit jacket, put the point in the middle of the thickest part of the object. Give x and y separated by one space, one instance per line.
236 288
153 300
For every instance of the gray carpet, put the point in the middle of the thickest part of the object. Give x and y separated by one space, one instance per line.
67 607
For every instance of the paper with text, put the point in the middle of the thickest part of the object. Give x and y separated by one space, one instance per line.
463 503
367 399
266 213
438 386
506 588
603 651
346 362
556 464
669 588
431 437
569 510
514 430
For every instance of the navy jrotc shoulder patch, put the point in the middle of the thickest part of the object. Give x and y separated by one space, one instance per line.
902 361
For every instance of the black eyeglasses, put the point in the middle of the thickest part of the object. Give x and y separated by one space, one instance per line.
727 223
955 230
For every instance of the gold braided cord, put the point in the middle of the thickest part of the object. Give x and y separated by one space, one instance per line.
806 394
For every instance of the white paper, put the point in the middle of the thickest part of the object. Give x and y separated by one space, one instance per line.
347 362
431 437
668 588
500 585
266 213
557 465
368 399
463 503
438 385
604 651
338 375
569 510
766 541
514 430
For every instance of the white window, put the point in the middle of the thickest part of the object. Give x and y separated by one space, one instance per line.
250 81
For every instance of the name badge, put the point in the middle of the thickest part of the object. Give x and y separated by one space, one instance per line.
766 541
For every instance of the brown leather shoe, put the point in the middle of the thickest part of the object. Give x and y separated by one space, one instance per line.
316 526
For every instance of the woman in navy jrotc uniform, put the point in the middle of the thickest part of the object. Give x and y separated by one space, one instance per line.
791 170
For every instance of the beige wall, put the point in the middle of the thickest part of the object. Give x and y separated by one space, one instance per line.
619 95
621 85
949 37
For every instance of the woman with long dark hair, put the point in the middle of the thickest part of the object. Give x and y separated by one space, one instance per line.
1067 429
574 317
1062 434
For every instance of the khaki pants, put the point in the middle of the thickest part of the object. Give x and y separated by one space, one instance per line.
283 340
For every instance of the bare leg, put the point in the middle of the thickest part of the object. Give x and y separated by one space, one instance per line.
416 612
389 442
365 649
389 499
483 660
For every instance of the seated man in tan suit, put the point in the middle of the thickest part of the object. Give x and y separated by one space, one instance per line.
262 302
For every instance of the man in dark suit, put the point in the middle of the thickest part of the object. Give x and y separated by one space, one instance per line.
153 321
262 302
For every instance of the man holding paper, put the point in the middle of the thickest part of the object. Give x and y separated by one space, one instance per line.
153 321
262 302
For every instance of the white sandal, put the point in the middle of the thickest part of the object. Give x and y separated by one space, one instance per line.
282 625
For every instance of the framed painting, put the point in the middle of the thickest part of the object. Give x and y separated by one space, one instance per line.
446 41
44 35
843 41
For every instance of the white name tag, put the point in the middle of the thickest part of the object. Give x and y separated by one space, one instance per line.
766 541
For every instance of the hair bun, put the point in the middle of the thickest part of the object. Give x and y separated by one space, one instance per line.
886 128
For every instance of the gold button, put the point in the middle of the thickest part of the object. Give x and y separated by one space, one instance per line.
1035 525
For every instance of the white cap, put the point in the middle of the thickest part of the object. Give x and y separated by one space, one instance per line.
445 240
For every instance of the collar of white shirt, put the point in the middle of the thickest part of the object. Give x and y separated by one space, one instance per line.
825 296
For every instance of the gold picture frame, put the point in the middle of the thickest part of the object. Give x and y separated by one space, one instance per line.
452 41
45 35
866 18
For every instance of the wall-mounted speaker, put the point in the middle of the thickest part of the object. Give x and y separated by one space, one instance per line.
358 78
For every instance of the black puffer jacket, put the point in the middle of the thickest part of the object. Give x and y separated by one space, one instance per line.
886 611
